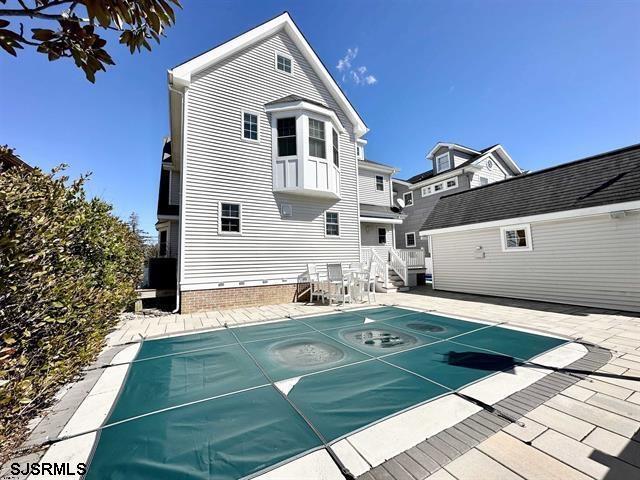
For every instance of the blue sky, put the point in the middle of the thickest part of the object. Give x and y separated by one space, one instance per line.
551 81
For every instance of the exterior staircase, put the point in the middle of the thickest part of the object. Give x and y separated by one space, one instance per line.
394 283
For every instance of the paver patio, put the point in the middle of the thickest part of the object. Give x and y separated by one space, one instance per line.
589 430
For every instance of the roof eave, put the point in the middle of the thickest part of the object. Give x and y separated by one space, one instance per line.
181 76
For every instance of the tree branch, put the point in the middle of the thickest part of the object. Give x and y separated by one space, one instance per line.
33 12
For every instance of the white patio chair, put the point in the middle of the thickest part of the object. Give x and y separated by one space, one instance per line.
370 284
315 284
338 284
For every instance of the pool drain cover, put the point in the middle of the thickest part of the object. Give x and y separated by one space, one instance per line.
425 327
300 353
379 338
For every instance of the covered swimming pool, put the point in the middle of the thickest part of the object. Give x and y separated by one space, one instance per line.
238 402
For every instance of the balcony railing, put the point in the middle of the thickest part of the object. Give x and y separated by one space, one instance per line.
413 258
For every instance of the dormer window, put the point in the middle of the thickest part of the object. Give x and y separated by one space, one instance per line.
284 63
287 137
317 146
443 162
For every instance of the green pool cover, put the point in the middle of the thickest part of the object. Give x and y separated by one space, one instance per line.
232 403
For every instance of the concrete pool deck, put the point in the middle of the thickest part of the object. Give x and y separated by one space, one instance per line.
589 430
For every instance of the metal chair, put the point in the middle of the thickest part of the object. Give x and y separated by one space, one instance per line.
338 284
315 284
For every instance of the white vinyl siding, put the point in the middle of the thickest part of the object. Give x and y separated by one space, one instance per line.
221 167
494 174
369 193
593 261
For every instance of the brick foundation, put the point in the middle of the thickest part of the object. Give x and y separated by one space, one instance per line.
225 298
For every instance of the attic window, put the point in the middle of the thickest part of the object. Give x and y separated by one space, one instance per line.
284 64
443 162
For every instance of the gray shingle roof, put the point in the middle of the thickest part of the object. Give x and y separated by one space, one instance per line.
297 98
429 173
366 160
603 179
367 210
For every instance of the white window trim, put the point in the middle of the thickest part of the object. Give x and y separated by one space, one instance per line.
275 62
404 197
325 225
327 144
448 162
233 202
385 235
415 239
167 229
444 187
527 229
250 112
375 179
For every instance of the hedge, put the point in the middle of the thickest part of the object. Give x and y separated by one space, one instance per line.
68 267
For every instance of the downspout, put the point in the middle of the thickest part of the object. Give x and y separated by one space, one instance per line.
182 186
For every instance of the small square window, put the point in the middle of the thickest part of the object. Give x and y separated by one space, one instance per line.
410 239
437 188
230 218
382 236
379 183
516 238
484 181
283 63
250 126
408 199
452 183
426 191
332 224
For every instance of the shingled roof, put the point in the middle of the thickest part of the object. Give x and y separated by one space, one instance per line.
429 173
603 179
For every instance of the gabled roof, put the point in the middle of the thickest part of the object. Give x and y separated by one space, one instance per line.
477 155
607 178
182 74
371 165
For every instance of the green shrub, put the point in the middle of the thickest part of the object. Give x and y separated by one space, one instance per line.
68 267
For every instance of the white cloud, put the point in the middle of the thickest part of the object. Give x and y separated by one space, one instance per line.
357 75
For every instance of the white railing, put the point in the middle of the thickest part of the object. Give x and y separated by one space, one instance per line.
414 258
381 264
398 265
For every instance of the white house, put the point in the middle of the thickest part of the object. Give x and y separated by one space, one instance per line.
261 174
567 234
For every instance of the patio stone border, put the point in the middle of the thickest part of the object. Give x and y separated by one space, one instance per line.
432 454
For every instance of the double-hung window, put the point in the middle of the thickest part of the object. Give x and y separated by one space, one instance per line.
230 217
443 162
317 147
410 239
332 224
380 183
382 236
162 243
249 126
287 137
408 199
516 238
336 149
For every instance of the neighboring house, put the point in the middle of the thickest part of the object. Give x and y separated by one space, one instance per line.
567 234
454 168
260 176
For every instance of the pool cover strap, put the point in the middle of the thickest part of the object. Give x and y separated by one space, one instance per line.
343 468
